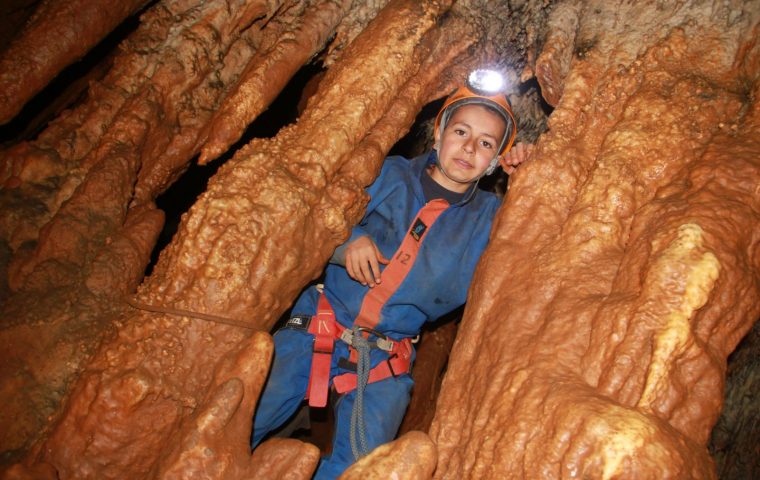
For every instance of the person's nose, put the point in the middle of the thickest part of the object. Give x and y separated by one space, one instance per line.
469 146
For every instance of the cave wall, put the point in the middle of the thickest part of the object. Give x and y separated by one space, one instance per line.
614 287
622 270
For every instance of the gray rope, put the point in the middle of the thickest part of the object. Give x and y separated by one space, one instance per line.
358 428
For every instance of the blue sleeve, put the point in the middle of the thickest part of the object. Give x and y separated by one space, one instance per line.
377 191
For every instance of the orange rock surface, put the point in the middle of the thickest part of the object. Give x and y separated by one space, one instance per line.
59 33
411 457
621 273
240 253
622 268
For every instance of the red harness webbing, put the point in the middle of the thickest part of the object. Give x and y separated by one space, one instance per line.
400 361
326 329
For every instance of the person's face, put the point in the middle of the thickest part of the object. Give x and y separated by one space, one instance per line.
469 143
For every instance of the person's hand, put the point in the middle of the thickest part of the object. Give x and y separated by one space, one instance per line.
363 260
519 153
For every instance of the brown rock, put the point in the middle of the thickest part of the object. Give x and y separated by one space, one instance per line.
411 457
429 368
59 33
284 458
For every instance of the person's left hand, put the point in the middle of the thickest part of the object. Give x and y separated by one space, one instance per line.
519 153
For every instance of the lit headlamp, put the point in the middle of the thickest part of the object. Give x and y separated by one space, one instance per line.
486 82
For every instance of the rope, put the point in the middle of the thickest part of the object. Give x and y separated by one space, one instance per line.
208 317
358 428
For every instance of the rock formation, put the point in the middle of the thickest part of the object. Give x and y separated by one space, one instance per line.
621 273
618 286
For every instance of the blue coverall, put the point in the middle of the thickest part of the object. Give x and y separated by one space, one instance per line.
436 284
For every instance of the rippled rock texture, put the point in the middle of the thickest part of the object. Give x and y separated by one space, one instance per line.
622 270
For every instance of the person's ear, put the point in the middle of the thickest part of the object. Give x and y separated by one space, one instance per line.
436 140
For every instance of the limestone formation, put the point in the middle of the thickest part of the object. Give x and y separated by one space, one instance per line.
411 457
622 269
59 33
617 284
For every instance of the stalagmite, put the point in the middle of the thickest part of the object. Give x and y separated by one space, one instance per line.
411 457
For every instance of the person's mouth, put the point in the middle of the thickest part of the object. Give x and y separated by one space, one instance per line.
464 164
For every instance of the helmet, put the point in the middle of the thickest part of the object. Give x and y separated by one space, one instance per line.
483 87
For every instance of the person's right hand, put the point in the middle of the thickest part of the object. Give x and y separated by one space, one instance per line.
519 153
363 260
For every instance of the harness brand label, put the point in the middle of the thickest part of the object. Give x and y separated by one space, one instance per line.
418 229
300 322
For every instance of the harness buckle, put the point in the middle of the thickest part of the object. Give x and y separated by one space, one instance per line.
383 342
347 336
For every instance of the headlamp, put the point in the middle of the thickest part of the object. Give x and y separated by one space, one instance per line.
486 82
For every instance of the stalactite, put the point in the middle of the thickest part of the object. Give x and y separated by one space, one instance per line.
59 33
76 196
299 38
252 203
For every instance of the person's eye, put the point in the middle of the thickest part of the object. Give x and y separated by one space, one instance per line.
459 131
486 144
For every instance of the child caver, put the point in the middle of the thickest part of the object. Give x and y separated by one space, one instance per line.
410 260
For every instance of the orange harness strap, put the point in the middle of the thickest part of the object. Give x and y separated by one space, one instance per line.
400 264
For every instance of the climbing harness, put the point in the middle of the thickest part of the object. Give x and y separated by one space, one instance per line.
326 331
399 360
362 340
